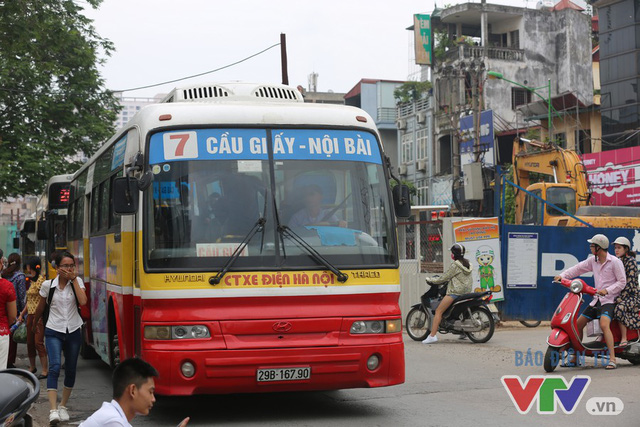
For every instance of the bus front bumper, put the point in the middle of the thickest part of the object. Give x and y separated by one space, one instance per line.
236 371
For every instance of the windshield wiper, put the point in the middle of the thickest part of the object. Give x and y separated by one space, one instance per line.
287 232
258 226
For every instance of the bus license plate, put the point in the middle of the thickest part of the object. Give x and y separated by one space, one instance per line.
283 374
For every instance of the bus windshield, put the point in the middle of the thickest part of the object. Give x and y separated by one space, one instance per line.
212 186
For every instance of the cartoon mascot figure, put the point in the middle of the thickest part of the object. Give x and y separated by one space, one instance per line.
485 257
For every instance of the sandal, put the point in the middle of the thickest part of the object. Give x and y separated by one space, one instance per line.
42 376
611 366
624 343
571 363
34 370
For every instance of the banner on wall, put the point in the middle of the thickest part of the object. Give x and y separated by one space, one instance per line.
614 176
423 41
481 238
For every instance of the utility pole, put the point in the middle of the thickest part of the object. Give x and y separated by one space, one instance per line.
283 58
476 115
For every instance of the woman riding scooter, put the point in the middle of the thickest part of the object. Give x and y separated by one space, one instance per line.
628 303
460 282
610 279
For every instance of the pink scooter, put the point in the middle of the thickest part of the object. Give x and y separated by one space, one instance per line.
565 338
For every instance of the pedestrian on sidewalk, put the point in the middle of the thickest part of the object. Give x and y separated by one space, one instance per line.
13 274
8 313
133 394
63 330
35 335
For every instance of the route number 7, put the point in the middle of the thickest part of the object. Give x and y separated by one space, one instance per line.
180 145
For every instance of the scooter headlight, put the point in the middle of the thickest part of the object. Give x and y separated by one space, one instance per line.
576 286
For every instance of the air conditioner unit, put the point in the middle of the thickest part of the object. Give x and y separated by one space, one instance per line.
422 165
401 124
422 117
402 169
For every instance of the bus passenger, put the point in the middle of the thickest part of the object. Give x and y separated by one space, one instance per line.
312 213
63 330
35 341
13 274
628 303
133 389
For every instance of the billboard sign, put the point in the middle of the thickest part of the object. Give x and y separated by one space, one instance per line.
467 149
614 176
423 40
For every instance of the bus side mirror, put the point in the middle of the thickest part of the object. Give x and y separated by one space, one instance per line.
401 201
125 194
41 233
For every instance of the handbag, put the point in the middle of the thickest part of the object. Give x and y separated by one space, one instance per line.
593 328
20 334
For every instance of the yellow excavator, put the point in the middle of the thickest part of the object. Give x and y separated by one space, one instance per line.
568 190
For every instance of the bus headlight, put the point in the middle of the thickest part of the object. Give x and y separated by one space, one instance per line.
157 332
376 326
176 332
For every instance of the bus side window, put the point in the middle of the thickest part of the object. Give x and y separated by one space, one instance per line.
104 205
94 210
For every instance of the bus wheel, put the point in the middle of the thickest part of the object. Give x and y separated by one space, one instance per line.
114 345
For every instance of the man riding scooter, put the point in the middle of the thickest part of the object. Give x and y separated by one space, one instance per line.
609 277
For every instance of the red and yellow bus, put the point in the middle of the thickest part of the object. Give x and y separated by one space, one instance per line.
241 240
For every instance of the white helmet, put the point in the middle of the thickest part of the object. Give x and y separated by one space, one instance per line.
600 240
622 241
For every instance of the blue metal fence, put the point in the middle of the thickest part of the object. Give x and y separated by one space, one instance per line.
558 249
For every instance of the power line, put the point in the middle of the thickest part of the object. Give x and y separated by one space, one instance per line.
200 74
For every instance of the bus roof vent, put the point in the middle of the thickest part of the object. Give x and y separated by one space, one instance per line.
204 92
235 91
282 93
197 93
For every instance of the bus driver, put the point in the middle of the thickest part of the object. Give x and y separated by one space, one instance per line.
312 213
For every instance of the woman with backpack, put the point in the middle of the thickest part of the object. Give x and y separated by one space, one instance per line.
61 297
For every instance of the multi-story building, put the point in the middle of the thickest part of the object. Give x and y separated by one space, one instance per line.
376 98
546 49
416 153
131 105
619 26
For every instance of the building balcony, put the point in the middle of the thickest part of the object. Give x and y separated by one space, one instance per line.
386 114
462 52
410 108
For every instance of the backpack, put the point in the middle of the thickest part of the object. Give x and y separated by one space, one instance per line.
45 313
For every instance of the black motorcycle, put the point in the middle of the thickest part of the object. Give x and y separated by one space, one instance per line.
18 390
467 316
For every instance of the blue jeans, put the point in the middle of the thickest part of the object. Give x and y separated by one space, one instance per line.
57 343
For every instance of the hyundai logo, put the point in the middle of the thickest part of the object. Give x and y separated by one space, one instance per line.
282 326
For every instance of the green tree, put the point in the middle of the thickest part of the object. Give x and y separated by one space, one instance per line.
53 104
510 199
411 91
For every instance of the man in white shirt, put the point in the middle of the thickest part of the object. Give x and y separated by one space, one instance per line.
133 388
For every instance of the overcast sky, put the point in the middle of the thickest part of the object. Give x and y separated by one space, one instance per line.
341 40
